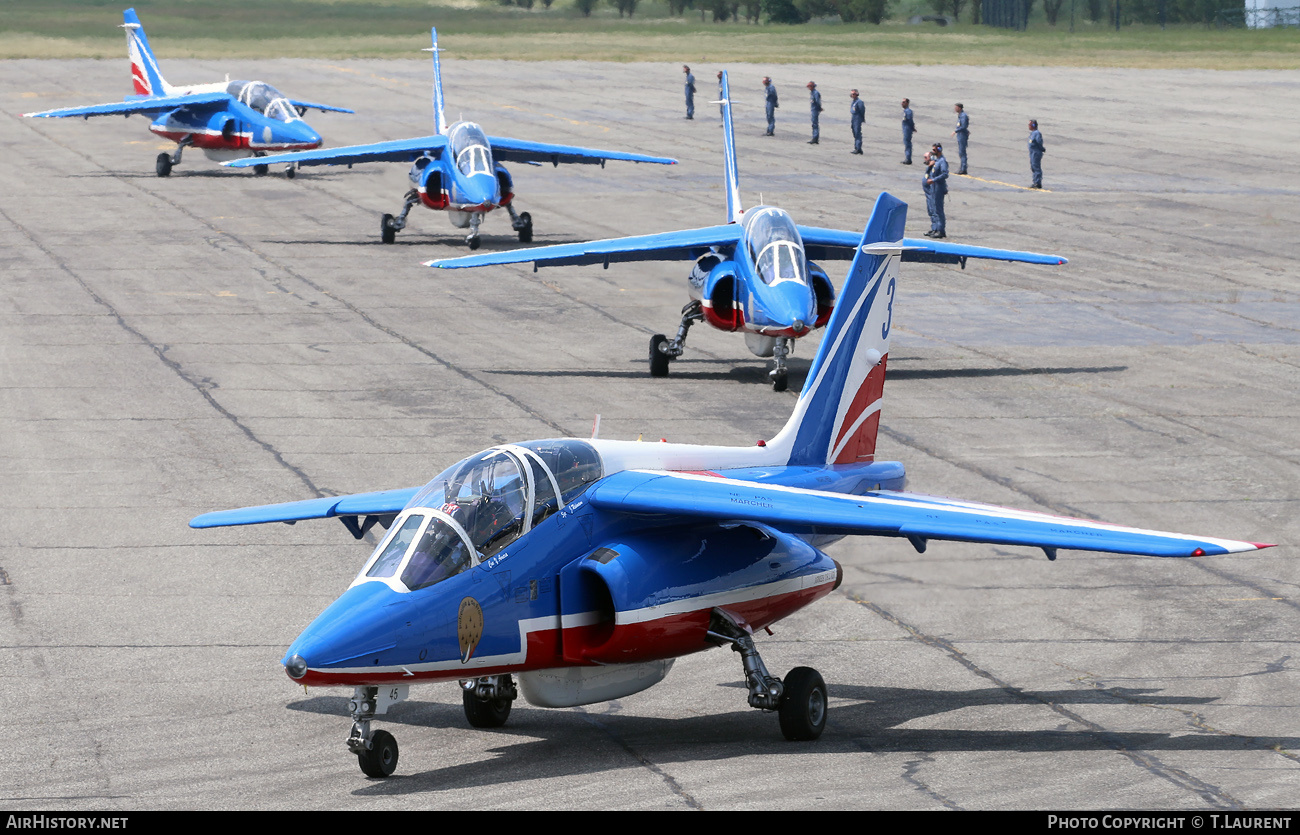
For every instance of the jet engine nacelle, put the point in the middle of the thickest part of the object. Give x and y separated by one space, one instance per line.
713 282
825 292
427 176
650 595
505 183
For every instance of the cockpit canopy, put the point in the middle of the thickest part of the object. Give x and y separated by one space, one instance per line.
775 247
470 148
473 510
263 98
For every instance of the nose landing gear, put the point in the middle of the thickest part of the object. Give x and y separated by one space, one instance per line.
376 750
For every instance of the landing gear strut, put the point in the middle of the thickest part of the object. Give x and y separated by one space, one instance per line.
166 162
780 351
521 223
376 750
487 700
800 700
389 226
472 239
663 350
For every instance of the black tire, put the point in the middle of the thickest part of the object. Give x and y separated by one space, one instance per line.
803 705
291 172
387 233
381 759
658 359
260 170
163 165
490 714
780 382
474 242
526 233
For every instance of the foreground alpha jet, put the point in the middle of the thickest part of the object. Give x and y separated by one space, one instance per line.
455 171
751 274
227 119
576 571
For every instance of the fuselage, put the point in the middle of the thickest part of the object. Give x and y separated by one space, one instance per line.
767 288
464 179
500 565
258 119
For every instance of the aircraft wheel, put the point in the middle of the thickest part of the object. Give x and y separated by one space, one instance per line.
803 705
489 714
474 243
387 232
526 233
260 170
163 165
381 759
658 359
780 382
291 172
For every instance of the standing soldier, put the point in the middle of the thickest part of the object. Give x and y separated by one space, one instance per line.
771 105
1036 150
857 115
928 161
938 182
690 92
815 105
909 127
962 133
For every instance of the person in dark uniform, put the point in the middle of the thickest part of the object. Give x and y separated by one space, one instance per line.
1036 149
815 109
962 132
909 127
857 115
690 92
938 181
771 105
928 161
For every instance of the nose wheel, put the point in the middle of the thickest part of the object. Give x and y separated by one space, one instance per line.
380 759
376 750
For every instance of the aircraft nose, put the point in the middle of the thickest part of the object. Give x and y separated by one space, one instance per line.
309 135
363 624
481 188
793 305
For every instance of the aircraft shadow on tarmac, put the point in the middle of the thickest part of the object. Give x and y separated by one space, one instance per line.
455 242
539 743
216 172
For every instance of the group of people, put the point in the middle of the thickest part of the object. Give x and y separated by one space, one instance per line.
858 115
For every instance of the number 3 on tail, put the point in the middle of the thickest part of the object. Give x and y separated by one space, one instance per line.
889 319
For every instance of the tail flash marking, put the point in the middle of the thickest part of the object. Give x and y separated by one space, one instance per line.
857 438
439 103
145 76
731 172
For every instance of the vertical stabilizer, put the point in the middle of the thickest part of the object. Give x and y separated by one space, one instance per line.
145 74
838 413
730 171
439 104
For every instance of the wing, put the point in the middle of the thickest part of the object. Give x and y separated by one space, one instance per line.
919 518
519 150
311 105
836 244
383 503
400 150
668 246
148 105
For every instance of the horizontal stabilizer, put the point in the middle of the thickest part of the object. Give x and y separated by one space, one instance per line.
800 511
381 503
686 245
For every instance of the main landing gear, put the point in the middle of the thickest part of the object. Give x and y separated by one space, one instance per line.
799 701
663 350
521 223
166 162
487 700
389 226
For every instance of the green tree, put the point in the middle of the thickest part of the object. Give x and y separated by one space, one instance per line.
585 6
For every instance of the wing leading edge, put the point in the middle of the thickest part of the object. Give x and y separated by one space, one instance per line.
688 244
382 503
521 150
400 150
910 515
151 105
834 244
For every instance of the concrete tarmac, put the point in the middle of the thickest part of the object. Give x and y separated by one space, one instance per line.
214 340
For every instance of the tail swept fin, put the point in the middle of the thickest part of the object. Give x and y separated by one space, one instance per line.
731 173
439 104
837 416
145 74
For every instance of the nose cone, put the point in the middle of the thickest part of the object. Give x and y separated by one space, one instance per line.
787 305
481 189
304 134
354 631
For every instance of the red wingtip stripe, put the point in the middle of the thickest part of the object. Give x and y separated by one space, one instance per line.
1264 544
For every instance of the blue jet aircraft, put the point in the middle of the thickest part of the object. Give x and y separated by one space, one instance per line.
227 119
751 274
458 169
575 572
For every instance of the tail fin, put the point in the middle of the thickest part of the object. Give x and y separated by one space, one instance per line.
838 413
439 104
145 74
731 173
